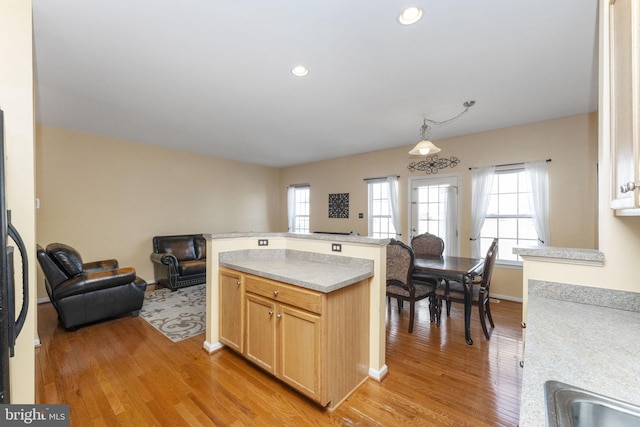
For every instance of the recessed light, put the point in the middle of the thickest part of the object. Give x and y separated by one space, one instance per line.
410 15
300 71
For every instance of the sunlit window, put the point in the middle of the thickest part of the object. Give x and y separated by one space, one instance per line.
380 216
299 209
509 216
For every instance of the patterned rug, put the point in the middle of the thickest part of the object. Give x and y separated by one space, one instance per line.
178 315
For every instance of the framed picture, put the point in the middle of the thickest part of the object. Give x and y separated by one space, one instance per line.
339 205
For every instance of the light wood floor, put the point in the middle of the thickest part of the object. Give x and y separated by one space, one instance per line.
124 372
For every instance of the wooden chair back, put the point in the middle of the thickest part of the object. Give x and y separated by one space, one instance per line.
427 244
489 262
400 262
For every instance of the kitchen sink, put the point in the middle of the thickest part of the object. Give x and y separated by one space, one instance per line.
569 406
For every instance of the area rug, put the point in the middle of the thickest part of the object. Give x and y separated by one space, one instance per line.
178 315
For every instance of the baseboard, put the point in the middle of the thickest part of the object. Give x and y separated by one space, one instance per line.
378 374
212 348
506 297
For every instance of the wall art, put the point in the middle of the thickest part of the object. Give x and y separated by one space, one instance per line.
339 205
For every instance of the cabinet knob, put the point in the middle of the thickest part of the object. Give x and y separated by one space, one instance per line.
271 313
629 186
275 293
279 316
238 282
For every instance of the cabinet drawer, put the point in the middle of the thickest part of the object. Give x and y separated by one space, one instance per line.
289 294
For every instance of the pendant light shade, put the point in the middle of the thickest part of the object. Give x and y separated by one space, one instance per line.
424 148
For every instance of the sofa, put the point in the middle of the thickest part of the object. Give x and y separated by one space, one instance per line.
84 293
179 261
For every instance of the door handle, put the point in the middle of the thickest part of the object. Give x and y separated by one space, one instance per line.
629 186
16 327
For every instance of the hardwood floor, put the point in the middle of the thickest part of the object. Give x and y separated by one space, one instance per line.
124 372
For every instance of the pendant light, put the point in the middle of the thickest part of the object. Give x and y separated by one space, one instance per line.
426 147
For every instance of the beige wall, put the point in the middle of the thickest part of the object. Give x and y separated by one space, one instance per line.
619 236
108 197
570 142
16 100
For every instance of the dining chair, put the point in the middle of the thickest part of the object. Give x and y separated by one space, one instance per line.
400 285
427 245
451 290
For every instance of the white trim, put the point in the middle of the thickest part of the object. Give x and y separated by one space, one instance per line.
505 297
211 348
378 374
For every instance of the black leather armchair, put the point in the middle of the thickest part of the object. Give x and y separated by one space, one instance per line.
85 293
179 261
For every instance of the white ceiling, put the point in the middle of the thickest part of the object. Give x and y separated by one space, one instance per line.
213 76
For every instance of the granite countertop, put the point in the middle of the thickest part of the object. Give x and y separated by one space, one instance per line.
568 339
308 236
319 272
557 254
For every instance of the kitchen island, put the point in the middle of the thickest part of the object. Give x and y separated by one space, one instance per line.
324 273
309 309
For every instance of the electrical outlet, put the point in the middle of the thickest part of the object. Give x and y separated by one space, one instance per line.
336 247
263 242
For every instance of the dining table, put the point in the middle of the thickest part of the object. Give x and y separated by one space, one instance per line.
456 268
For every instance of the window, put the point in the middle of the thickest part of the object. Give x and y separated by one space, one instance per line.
509 216
298 208
434 209
383 208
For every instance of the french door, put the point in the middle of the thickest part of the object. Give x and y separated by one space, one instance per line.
434 209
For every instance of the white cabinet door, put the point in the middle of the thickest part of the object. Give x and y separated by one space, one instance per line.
624 32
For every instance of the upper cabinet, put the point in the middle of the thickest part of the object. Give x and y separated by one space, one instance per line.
624 57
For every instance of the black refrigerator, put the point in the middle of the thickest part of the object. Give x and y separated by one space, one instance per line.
10 327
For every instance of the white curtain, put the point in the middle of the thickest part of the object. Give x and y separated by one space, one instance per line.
291 209
393 202
449 195
481 183
539 199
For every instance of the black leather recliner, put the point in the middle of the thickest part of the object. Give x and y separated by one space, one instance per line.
85 293
179 261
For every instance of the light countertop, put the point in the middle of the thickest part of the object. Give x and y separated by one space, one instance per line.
347 238
557 254
569 339
319 272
